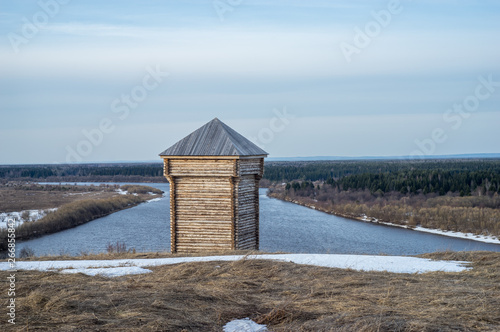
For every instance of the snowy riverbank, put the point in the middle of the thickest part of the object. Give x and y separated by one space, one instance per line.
115 268
460 235
23 216
466 236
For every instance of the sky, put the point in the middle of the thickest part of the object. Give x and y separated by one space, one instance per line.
98 81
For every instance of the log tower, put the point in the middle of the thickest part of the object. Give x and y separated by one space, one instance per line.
214 176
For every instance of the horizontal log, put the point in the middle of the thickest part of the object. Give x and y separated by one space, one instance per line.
206 218
210 187
211 230
177 170
205 233
240 238
202 245
203 161
242 212
246 224
246 230
203 180
205 212
201 222
221 228
183 239
247 239
203 197
250 220
200 206
248 245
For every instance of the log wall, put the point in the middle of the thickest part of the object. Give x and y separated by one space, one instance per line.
214 203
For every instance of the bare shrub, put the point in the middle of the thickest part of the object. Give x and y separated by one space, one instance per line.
118 247
26 252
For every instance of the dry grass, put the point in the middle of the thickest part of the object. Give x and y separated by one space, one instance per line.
285 296
13 200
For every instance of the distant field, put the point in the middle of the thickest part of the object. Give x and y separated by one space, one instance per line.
38 197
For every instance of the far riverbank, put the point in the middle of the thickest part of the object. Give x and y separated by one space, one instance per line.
304 201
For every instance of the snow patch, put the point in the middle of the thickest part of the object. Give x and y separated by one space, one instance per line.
34 215
154 200
467 236
394 264
109 272
244 325
460 235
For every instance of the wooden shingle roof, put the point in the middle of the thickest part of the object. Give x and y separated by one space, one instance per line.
214 139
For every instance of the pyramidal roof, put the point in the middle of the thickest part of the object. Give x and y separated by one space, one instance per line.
214 139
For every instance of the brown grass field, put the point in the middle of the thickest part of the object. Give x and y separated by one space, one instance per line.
285 296
13 200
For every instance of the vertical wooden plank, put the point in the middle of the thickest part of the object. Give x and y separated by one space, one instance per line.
173 216
236 167
233 211
166 170
257 213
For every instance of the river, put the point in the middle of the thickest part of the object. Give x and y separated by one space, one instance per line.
284 227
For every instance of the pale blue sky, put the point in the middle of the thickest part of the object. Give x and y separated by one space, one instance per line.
260 58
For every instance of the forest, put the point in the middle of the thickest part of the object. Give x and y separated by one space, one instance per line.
140 172
464 177
458 195
427 176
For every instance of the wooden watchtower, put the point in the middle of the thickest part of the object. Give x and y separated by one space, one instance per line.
214 176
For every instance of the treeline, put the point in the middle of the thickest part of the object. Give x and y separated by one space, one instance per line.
424 181
324 170
426 176
152 172
464 177
45 171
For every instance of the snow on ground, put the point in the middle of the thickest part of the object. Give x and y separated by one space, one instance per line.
467 236
108 271
395 264
124 192
244 325
34 215
155 199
